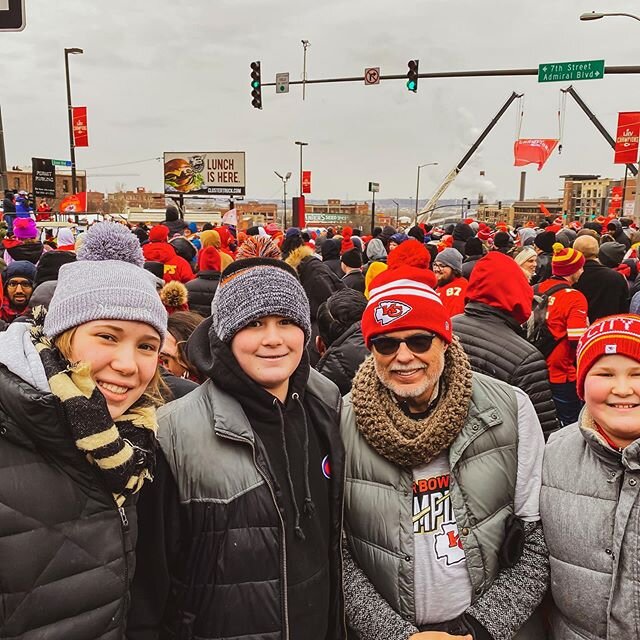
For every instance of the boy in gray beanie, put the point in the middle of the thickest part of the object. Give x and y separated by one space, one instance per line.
251 480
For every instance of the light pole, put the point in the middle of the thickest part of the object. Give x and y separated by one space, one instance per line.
301 144
284 179
596 15
428 164
305 45
397 213
72 146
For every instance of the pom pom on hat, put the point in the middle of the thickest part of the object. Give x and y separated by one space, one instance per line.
111 241
565 261
613 335
258 247
410 254
175 297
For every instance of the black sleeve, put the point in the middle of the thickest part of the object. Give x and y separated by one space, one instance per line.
159 523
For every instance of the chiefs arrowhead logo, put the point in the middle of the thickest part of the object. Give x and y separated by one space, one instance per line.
389 311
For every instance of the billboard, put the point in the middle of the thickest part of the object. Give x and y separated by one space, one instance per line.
218 173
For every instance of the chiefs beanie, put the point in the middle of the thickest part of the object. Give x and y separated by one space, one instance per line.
401 299
159 233
565 262
613 335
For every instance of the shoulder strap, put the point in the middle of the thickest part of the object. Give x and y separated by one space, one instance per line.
558 287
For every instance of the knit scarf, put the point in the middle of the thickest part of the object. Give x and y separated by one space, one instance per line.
399 438
124 449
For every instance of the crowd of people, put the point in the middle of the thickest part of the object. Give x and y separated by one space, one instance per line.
428 433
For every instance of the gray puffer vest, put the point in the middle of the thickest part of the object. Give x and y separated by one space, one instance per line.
591 518
378 496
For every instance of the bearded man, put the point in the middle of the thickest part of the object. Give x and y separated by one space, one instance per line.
443 470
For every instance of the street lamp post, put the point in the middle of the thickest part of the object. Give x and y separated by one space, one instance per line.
397 213
284 179
428 164
596 15
305 45
72 146
301 144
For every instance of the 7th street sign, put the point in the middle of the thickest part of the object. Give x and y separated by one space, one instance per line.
564 71
12 16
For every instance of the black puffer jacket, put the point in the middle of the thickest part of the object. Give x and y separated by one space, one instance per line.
67 554
492 339
201 291
30 251
342 359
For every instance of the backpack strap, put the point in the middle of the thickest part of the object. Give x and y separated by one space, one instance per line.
549 292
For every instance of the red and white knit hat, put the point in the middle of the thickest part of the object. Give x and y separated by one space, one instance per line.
613 335
402 299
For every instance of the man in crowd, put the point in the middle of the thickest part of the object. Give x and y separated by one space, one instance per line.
18 286
498 304
605 289
451 286
543 244
158 249
351 263
566 320
443 474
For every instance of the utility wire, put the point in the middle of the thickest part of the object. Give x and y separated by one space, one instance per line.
122 164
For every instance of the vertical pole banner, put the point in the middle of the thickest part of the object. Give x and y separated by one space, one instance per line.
627 137
306 182
80 130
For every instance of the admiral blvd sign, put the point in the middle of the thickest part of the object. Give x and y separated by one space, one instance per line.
215 173
567 71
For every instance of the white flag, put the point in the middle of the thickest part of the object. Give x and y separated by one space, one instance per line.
230 218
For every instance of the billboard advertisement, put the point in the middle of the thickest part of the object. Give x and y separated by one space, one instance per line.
43 178
217 173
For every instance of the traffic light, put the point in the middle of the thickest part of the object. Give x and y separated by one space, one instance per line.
412 76
256 85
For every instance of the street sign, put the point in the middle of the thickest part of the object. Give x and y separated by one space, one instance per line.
282 82
372 75
61 163
12 15
43 174
569 71
374 187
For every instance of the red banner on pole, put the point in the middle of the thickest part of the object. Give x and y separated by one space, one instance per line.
80 130
533 151
627 137
615 203
74 203
306 182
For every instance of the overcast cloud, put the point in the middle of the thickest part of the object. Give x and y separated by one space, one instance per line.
174 76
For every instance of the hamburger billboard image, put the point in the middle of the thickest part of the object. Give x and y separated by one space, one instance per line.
208 173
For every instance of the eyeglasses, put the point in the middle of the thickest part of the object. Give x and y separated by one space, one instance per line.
13 284
419 343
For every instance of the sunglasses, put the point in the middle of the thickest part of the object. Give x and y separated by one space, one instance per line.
419 343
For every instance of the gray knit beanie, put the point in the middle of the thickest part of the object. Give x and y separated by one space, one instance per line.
254 288
106 283
450 258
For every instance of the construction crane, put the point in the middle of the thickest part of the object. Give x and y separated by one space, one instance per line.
427 210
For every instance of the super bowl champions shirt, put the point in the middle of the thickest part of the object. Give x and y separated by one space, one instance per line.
442 584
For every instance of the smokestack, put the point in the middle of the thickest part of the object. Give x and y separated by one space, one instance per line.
523 182
3 160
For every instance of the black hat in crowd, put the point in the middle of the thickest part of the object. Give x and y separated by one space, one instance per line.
352 258
50 263
545 240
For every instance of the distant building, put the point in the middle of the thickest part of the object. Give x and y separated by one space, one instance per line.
20 179
336 213
587 196
256 213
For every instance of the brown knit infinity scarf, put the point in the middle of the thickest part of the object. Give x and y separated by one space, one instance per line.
401 439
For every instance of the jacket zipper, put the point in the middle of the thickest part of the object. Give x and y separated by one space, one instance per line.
124 530
265 477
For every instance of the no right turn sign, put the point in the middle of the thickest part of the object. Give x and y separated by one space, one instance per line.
12 16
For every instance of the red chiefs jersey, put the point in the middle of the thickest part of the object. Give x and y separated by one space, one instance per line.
567 320
453 295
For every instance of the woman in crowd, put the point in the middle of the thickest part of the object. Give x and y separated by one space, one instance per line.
590 504
180 326
78 390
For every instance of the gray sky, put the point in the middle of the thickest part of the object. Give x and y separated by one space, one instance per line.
174 76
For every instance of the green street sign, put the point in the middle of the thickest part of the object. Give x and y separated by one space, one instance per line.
61 163
568 71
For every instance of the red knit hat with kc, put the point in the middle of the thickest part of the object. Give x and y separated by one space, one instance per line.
402 299
613 335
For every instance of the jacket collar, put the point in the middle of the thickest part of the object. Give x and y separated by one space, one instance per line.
481 310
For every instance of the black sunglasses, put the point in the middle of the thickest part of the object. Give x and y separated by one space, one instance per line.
419 343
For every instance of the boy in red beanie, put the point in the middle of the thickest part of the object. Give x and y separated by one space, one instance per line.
566 320
590 488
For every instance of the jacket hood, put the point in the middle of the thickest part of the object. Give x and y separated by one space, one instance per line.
30 251
615 223
158 252
611 254
298 255
330 249
376 250
499 282
184 248
19 355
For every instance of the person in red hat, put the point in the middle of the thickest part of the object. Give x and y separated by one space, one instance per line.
590 488
566 320
442 473
158 249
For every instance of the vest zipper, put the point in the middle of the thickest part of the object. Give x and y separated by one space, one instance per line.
265 477
124 530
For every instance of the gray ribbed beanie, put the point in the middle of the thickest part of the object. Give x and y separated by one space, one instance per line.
106 283
254 288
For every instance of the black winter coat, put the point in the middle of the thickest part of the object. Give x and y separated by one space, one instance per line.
30 251
468 265
543 268
201 291
606 290
491 338
342 359
355 280
66 550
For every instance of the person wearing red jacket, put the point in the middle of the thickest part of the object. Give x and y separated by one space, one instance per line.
451 286
567 320
159 250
